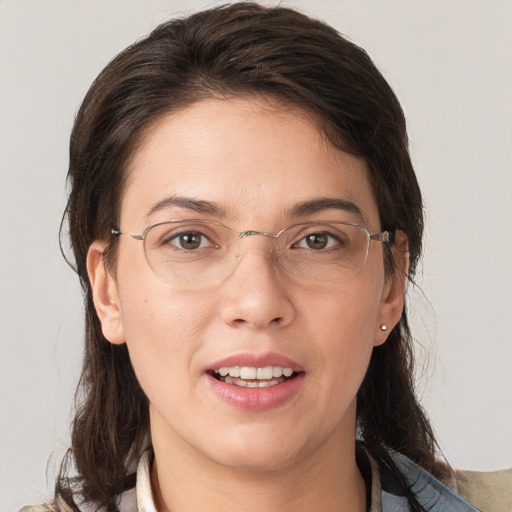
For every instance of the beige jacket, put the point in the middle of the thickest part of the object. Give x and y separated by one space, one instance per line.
487 491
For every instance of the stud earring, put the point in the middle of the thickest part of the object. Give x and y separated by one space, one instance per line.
383 327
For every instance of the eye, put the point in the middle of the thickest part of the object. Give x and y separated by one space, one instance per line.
188 241
318 241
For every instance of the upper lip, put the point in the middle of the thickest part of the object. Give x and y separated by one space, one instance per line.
256 361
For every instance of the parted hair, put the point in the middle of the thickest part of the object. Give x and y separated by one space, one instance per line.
234 50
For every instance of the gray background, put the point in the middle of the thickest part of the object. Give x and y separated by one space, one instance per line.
450 63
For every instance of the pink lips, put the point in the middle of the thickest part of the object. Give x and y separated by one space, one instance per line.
257 399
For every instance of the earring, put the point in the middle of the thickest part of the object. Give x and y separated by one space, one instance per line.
383 327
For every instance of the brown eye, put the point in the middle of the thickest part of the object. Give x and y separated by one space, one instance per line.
317 241
188 241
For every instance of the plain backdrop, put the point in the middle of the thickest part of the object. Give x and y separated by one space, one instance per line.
450 63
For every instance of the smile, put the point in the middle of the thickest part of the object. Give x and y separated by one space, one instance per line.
256 382
252 377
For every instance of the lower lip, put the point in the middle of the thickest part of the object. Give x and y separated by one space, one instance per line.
257 399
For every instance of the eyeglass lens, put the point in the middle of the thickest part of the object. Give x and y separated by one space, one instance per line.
194 253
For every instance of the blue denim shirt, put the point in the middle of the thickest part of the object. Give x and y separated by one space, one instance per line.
433 495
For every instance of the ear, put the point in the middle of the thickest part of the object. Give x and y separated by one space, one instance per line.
104 294
392 301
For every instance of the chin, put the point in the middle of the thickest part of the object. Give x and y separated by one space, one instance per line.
252 461
254 451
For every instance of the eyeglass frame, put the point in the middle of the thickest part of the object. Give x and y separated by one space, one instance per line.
383 236
386 237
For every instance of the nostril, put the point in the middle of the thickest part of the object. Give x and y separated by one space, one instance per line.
241 321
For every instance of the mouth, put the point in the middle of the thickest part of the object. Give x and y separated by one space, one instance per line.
256 382
253 377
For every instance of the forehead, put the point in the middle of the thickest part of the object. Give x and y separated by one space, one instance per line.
249 156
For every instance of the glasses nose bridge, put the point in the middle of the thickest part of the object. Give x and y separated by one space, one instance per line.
252 232
259 249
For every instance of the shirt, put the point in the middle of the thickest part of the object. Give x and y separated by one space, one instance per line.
386 494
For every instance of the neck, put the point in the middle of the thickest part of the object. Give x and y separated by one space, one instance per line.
327 480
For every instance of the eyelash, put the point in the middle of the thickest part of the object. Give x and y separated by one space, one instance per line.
168 240
332 240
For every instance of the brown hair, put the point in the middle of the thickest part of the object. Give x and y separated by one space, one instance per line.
233 50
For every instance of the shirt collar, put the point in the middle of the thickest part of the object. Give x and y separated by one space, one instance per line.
145 502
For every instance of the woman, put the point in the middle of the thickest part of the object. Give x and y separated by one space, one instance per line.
244 217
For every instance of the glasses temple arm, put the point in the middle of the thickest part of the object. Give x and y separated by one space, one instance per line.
385 236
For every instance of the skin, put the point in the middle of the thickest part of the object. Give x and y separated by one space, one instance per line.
256 160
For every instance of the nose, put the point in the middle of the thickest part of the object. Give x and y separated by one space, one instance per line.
255 295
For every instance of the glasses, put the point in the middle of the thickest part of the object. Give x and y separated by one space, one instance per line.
200 253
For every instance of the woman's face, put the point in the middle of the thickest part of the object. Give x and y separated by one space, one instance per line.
248 164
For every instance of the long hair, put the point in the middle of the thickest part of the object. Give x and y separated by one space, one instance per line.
235 50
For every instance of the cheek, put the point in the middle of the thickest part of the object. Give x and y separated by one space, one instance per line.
344 322
164 330
338 339
349 312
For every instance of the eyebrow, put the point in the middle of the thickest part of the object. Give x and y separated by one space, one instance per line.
188 203
302 209
321 204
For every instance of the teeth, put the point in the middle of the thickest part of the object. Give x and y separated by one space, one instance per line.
234 371
251 383
278 372
246 372
265 373
251 373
